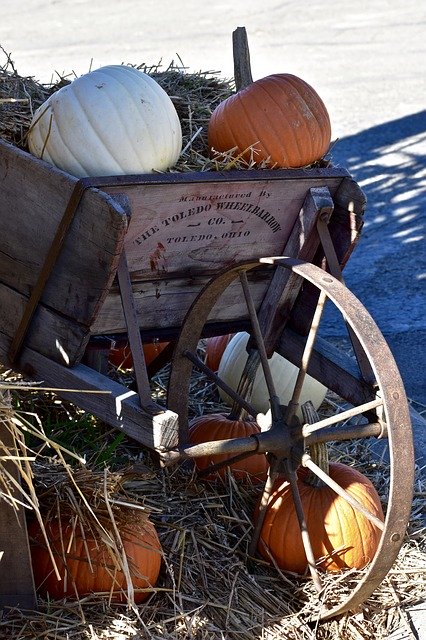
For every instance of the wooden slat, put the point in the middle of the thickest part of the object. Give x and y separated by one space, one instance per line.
34 196
16 577
53 335
285 285
164 304
345 229
186 230
118 406
192 229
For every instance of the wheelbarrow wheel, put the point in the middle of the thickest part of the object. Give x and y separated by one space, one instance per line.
375 406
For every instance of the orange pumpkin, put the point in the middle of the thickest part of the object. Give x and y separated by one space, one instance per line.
79 577
215 346
341 536
122 356
209 428
281 117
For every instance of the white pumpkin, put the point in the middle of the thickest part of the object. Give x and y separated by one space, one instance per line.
113 121
284 375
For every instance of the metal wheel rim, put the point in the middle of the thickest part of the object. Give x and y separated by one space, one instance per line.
393 395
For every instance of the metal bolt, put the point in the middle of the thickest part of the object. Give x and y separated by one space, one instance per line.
395 537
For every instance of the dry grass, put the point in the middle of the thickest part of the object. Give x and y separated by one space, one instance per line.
195 96
208 588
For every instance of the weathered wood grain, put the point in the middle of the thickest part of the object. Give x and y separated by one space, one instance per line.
345 229
196 228
50 333
285 285
16 578
116 405
34 196
184 230
163 304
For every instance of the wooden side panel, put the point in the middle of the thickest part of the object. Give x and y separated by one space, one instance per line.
33 198
181 233
164 304
198 228
53 335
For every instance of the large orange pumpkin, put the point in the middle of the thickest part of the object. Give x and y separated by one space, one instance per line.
215 346
79 577
341 536
281 117
209 428
122 356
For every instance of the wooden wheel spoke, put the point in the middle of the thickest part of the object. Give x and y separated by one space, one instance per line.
274 400
236 397
304 529
212 468
340 417
306 356
310 464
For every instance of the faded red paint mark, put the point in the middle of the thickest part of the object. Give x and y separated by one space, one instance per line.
158 257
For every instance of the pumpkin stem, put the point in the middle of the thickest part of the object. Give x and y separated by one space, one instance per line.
245 385
317 451
242 68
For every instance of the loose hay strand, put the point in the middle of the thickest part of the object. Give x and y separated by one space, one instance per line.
206 589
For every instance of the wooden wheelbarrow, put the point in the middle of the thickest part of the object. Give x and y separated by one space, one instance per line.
179 257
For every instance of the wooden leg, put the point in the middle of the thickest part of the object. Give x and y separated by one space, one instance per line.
16 576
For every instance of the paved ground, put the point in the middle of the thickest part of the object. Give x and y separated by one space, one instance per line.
366 59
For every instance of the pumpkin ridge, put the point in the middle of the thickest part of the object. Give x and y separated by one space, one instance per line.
303 94
99 142
118 113
147 130
58 124
323 127
269 124
315 504
342 522
169 114
352 519
358 519
296 98
236 131
222 118
96 125
310 122
289 129
369 501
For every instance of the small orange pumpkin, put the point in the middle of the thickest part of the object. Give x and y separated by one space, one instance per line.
79 577
215 426
281 117
215 346
122 356
341 536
